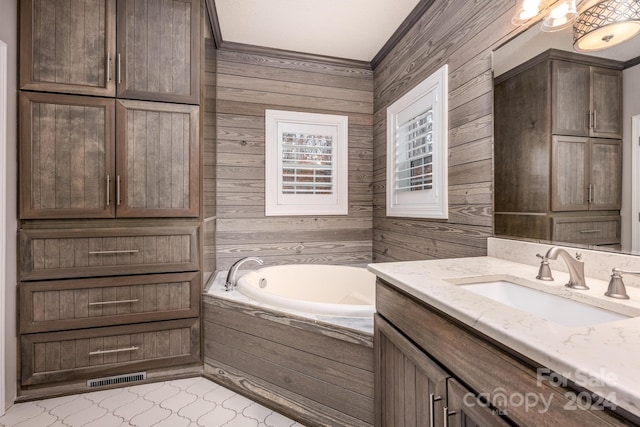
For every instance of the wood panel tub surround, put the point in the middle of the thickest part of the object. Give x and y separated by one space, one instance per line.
249 81
461 34
315 372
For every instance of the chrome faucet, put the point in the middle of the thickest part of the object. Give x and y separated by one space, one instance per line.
575 266
232 282
616 285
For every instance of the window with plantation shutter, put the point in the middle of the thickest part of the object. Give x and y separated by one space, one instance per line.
305 163
417 151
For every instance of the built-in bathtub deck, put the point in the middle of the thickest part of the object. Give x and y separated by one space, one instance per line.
315 369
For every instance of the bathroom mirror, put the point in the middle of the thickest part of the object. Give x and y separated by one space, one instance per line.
533 42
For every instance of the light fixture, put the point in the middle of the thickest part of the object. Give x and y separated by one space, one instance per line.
560 17
606 24
527 10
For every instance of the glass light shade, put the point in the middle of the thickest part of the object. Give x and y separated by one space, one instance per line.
526 10
606 24
560 17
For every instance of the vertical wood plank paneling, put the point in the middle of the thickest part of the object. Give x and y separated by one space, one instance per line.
246 84
461 34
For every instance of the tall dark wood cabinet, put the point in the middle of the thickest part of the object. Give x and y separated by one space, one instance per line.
109 239
558 149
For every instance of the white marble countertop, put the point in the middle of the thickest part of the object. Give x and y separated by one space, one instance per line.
603 358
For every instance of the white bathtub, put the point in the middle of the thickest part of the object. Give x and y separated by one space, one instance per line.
331 290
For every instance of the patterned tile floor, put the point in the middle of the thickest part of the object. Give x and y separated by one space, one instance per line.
193 402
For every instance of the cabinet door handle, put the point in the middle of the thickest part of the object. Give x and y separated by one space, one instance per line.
432 403
108 186
108 66
118 190
447 414
122 251
122 301
116 350
595 119
590 120
119 71
589 195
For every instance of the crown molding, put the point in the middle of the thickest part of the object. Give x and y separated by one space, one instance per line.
269 51
395 38
403 29
632 62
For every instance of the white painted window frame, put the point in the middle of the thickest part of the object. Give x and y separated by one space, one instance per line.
277 203
431 203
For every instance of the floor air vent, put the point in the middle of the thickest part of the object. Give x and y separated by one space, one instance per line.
118 379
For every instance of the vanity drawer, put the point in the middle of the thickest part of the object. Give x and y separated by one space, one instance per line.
59 254
89 353
85 303
591 230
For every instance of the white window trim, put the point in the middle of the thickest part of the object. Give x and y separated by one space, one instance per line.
431 203
279 204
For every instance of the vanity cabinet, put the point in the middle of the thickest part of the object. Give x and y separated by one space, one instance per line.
428 363
557 149
88 157
413 390
150 51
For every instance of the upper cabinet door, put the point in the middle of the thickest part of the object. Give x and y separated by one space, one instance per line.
606 103
67 156
158 158
570 98
68 46
159 50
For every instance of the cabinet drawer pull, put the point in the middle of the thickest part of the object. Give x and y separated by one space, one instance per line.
116 350
589 231
432 403
123 251
122 301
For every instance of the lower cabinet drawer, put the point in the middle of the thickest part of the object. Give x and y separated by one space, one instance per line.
85 303
590 230
47 254
56 357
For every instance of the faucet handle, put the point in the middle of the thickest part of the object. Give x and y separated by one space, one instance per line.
579 256
616 287
544 273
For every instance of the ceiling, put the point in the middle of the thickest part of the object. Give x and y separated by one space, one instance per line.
350 29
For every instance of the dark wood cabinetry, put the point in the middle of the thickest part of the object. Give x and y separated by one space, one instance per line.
413 390
586 100
429 365
558 152
159 50
109 239
68 46
74 47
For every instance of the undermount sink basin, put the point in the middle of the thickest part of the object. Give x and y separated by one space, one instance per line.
548 306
